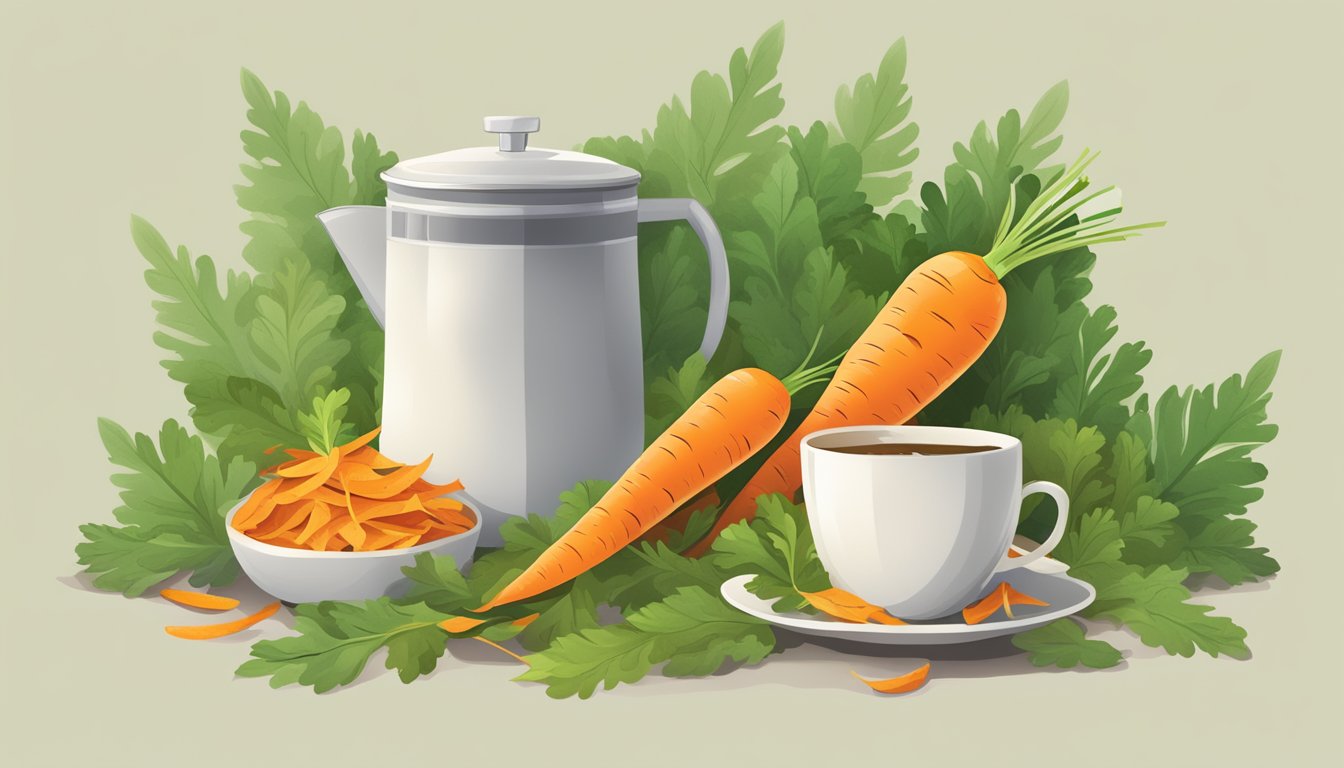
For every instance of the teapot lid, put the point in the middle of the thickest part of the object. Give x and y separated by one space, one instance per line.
510 166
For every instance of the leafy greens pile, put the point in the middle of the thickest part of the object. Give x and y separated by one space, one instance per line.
821 226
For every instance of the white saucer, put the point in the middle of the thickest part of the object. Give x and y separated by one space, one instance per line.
1042 579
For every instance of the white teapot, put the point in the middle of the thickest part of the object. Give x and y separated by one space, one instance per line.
507 281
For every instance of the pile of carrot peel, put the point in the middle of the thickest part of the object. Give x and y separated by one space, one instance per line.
352 499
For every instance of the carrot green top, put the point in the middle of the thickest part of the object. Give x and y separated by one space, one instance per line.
1045 228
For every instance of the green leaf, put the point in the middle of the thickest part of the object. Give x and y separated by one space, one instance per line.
674 294
1094 387
650 573
297 170
882 253
206 327
130 560
323 426
1095 539
1154 605
367 163
966 215
692 631
1129 471
1148 521
574 611
294 335
1226 548
436 581
722 143
794 292
1062 644
174 499
777 547
829 174
247 415
1058 451
206 332
872 118
1201 443
335 640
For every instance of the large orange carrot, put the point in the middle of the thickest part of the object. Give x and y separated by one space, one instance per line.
937 323
737 416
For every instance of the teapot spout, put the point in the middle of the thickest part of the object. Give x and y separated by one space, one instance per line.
360 235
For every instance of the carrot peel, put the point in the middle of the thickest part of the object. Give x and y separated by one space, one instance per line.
911 681
847 606
203 600
212 631
1002 596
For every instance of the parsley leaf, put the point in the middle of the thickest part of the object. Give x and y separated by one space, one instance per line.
1062 644
1201 442
722 143
173 504
1154 604
830 175
336 639
297 169
436 581
212 353
323 425
573 611
872 118
1225 548
1094 387
692 631
777 546
653 572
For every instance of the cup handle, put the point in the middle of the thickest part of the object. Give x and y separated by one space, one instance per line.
1061 522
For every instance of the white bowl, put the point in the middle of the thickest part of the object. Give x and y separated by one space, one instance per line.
305 576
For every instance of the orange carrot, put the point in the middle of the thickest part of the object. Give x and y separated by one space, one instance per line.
211 631
203 600
934 327
734 418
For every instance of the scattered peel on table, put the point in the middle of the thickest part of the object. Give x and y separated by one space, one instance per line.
1002 596
350 499
911 681
203 600
847 606
223 629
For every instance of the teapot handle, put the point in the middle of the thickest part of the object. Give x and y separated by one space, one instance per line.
692 212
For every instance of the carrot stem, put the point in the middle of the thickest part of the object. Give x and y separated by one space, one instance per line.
1047 224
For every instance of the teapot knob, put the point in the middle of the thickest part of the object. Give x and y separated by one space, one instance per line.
512 130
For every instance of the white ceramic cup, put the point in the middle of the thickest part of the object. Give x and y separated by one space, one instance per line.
918 535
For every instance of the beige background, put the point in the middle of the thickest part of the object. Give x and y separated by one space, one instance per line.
1224 121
